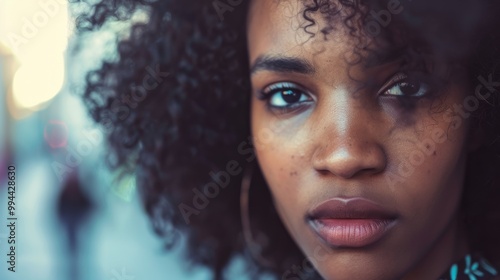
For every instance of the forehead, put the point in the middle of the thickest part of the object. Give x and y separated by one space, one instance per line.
279 28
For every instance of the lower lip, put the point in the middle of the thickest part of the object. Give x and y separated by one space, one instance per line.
354 233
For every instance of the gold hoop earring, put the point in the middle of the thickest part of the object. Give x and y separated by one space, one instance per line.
254 246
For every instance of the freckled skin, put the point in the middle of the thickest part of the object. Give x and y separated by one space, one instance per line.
346 145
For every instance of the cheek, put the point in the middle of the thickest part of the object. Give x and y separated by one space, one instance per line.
283 161
427 171
279 149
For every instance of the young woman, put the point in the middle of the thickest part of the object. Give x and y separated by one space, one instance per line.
339 139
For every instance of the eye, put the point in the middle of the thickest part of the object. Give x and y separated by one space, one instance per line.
401 85
285 96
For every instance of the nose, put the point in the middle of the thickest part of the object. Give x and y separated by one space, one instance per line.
347 144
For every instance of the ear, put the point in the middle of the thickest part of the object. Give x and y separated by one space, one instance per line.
476 138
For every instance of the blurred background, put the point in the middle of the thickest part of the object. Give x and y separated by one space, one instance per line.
75 219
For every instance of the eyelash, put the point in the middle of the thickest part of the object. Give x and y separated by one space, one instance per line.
271 91
400 79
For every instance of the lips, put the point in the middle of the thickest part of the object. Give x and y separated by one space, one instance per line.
351 222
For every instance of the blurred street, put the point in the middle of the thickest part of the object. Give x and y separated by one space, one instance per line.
74 218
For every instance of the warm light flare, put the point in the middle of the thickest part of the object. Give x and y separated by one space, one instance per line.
36 33
38 81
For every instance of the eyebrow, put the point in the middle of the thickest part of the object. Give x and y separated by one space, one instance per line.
282 64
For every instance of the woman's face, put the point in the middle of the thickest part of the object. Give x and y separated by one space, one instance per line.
365 174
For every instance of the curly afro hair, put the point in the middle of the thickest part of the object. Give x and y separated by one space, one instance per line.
174 102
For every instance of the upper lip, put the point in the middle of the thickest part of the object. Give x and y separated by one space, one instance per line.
350 208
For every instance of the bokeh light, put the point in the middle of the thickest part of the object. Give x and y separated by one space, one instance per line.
38 81
36 33
56 134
